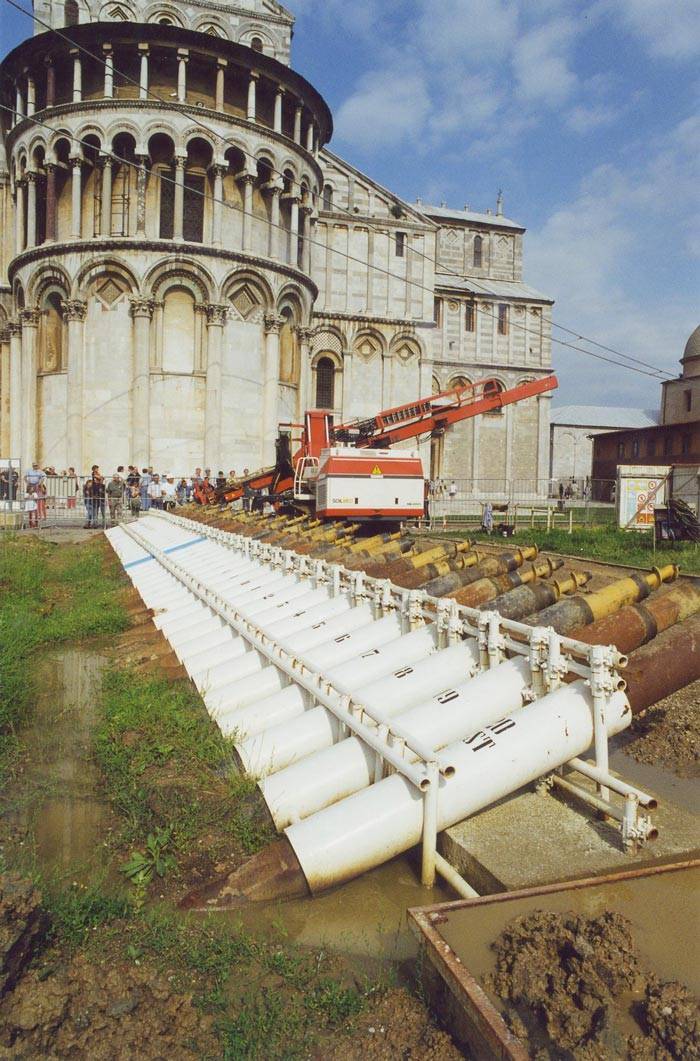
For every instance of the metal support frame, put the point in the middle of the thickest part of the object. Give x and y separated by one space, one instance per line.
551 657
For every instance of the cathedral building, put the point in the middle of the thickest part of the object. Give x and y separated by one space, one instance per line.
185 263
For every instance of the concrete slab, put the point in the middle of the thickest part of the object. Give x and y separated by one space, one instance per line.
528 840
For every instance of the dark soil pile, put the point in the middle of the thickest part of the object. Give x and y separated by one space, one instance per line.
669 733
572 979
101 1012
394 1027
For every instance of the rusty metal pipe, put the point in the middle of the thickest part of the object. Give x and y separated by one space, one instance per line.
418 561
484 590
579 611
665 665
526 600
636 624
492 565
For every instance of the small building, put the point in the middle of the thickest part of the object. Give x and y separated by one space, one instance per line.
571 432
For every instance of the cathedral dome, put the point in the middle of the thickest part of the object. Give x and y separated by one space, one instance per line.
691 354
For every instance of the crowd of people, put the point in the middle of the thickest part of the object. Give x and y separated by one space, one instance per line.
106 498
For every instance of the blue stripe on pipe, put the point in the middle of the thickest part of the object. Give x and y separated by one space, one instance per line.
172 549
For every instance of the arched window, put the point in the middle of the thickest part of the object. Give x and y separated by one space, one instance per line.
71 12
325 384
478 252
491 388
256 44
179 330
327 197
51 332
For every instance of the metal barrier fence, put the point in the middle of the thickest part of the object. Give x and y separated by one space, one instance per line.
520 503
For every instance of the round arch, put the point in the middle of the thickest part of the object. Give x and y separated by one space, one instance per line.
186 272
48 277
89 276
247 291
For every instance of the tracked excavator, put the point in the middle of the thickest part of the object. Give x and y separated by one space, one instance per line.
350 471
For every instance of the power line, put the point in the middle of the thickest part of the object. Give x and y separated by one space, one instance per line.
346 210
312 242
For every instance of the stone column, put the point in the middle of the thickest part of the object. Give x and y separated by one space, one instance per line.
76 197
32 179
217 205
252 83
543 415
247 179
141 179
106 205
50 82
271 375
141 312
297 123
307 215
305 398
19 216
74 311
31 96
279 96
276 187
15 330
19 104
50 202
179 205
294 231
109 71
183 56
310 138
5 447
143 71
221 65
77 75
216 319
30 325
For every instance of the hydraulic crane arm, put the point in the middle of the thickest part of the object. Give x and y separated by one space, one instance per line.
437 412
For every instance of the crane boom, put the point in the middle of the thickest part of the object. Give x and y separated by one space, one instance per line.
426 416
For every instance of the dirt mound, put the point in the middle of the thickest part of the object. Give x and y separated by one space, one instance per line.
104 1012
669 733
575 981
23 927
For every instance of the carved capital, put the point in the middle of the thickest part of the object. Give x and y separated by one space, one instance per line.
74 309
216 315
14 328
75 161
305 334
29 318
33 177
141 307
244 177
5 335
273 323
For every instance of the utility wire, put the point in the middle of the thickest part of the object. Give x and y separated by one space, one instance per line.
346 210
317 243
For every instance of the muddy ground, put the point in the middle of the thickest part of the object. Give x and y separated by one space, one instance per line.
95 967
668 734
577 985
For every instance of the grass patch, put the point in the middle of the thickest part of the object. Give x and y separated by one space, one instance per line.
49 594
167 766
605 544
77 911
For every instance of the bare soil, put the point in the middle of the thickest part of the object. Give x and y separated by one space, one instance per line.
668 734
576 984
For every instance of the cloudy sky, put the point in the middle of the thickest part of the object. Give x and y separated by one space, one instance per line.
587 115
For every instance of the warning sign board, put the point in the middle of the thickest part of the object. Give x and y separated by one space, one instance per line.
376 470
640 489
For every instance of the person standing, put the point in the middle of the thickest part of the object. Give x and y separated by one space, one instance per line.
155 492
71 487
34 477
30 507
169 493
144 483
115 497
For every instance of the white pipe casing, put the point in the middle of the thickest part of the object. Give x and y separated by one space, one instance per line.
380 660
294 606
261 715
336 772
244 691
372 826
266 752
321 631
351 644
316 618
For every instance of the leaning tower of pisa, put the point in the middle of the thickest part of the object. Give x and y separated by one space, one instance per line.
160 175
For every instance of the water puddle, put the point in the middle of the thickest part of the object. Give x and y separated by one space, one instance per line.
62 808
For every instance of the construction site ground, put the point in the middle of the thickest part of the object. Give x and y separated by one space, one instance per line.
114 971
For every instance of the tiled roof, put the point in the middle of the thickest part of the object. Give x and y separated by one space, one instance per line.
486 287
601 416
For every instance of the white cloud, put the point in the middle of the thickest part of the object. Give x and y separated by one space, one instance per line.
541 63
387 107
584 118
670 29
474 32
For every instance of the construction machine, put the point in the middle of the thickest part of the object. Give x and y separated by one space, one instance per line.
351 471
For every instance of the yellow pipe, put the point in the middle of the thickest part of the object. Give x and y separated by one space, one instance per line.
628 590
375 542
438 552
571 582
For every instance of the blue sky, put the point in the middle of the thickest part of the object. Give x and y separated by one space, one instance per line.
587 115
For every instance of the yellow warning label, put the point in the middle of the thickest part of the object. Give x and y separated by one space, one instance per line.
376 470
